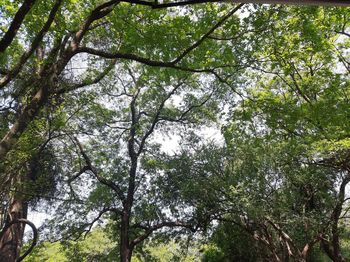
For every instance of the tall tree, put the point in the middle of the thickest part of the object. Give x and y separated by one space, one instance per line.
37 61
120 152
285 183
296 113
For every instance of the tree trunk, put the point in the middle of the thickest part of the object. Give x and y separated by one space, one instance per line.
12 240
25 117
125 249
332 248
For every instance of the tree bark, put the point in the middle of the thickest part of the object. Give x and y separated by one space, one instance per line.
26 116
12 240
125 248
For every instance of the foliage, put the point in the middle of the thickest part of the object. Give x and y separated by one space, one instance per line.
94 247
89 89
97 246
229 243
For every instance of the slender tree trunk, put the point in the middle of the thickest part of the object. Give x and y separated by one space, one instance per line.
125 247
12 240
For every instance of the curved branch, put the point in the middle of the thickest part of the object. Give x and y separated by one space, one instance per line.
87 82
100 214
206 35
35 235
156 118
287 239
98 13
170 64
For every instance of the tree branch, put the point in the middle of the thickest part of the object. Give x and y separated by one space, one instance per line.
100 214
156 117
88 82
155 5
37 40
102 180
15 24
35 234
99 12
288 241
205 36
343 33
151 229
150 62
184 114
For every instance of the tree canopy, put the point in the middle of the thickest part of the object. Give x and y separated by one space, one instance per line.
106 113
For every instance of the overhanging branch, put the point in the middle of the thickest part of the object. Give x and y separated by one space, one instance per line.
170 64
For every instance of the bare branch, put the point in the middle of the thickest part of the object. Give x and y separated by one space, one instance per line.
288 241
187 111
343 33
205 36
99 12
156 5
81 171
100 214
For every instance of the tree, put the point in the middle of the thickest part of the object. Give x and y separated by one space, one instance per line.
285 172
33 78
120 153
304 99
229 242
56 54
288 126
